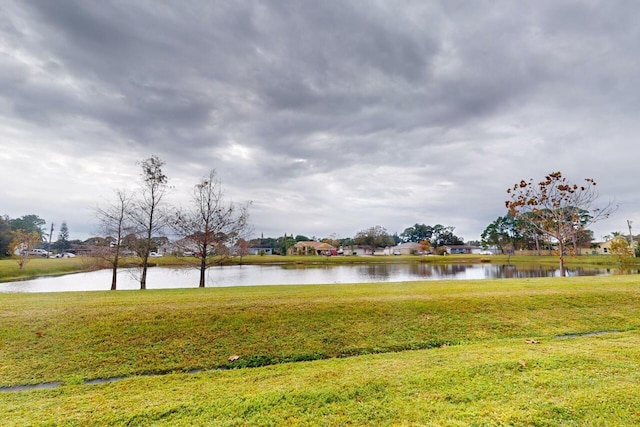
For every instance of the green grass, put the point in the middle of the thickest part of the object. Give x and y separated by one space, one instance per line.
486 375
578 382
36 267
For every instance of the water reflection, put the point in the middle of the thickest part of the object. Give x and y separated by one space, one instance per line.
165 278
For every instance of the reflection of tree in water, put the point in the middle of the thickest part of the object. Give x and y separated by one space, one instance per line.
489 271
624 270
421 270
446 270
379 271
505 271
388 271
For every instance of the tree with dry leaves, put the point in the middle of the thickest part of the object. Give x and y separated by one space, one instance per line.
147 212
114 222
211 224
557 208
621 248
22 244
425 246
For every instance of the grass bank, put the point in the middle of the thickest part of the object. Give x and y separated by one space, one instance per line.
38 267
583 381
479 367
86 335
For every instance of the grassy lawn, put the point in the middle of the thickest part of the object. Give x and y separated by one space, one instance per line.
10 271
579 381
439 353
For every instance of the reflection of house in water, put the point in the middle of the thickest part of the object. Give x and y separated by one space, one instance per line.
312 248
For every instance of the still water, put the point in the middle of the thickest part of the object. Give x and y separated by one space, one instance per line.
247 275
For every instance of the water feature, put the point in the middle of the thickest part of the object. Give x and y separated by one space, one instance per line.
247 275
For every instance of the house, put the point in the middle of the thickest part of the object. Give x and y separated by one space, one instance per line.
184 246
260 250
356 250
312 248
409 248
462 249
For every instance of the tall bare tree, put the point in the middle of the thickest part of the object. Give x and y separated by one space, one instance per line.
148 214
211 224
114 222
557 208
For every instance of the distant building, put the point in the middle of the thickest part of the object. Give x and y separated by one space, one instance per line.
604 248
463 249
409 248
260 250
312 248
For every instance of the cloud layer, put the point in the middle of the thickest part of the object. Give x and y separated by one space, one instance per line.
331 116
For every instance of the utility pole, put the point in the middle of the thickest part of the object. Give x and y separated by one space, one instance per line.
50 234
631 241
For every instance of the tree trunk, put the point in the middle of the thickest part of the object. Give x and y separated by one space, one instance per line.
563 271
143 277
114 273
145 256
203 269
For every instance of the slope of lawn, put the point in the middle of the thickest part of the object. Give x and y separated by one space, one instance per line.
462 352
581 381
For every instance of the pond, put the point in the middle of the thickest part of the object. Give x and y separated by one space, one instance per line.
247 275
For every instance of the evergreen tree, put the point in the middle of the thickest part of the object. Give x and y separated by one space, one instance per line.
62 244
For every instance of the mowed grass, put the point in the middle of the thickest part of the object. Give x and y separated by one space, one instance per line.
476 366
583 381
37 267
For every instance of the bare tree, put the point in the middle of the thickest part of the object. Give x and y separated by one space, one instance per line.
557 208
147 213
114 222
242 248
211 224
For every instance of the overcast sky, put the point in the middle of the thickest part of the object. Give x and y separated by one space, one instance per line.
331 116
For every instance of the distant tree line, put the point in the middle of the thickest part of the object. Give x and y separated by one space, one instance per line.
369 238
19 236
